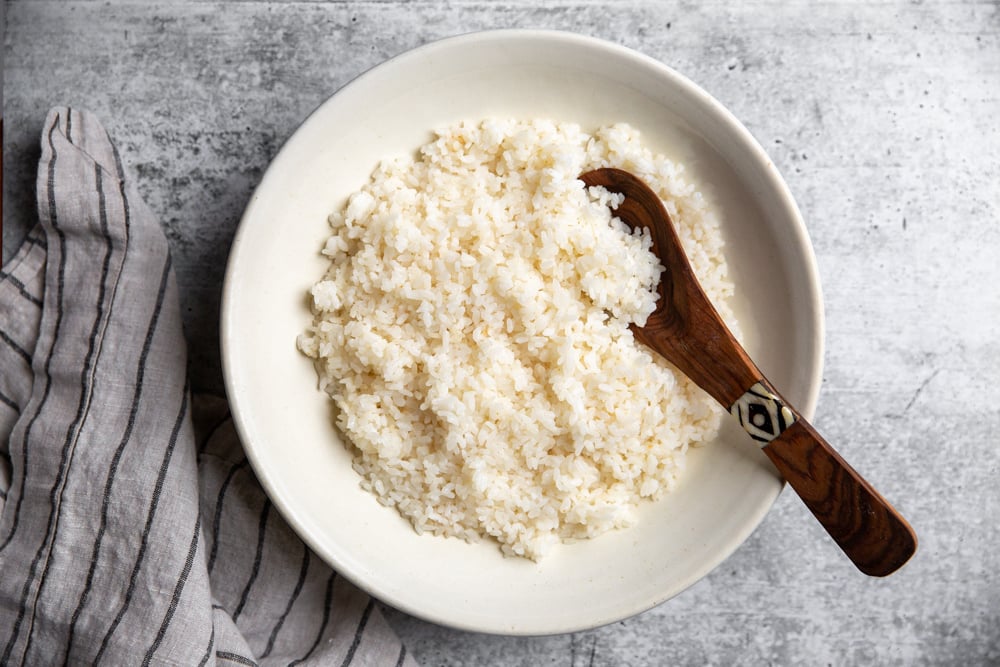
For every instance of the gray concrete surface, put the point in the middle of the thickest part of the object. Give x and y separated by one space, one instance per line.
883 118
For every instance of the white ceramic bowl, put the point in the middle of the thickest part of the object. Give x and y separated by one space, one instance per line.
285 422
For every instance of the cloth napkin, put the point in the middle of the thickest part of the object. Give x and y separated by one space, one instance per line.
132 529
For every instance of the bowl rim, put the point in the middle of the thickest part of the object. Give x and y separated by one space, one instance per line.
748 144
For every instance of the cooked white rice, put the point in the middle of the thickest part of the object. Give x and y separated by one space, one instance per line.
472 330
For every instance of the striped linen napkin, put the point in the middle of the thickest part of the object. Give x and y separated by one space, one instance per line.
132 530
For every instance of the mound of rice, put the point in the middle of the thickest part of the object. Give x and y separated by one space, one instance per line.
472 330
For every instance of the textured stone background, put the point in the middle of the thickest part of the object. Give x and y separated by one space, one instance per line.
883 118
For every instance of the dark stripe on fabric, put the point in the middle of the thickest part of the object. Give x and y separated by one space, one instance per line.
327 601
150 517
69 124
291 601
119 451
235 657
402 655
126 210
118 163
178 589
87 381
211 646
218 511
36 241
258 556
359 633
60 288
21 352
9 403
21 288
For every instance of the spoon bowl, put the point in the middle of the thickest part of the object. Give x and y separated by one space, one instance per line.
688 332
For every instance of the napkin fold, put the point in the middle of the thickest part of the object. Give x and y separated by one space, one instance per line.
132 529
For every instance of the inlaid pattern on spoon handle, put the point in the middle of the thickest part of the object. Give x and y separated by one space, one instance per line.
762 413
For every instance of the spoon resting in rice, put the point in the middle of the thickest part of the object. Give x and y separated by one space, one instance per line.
688 332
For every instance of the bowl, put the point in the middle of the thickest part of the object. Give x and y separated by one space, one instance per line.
285 422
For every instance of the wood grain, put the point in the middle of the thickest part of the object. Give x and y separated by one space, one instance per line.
870 531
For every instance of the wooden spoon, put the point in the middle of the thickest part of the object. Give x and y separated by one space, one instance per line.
688 332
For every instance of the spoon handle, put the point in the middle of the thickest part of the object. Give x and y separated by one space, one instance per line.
865 526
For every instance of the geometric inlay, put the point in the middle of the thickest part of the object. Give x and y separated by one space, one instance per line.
762 414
